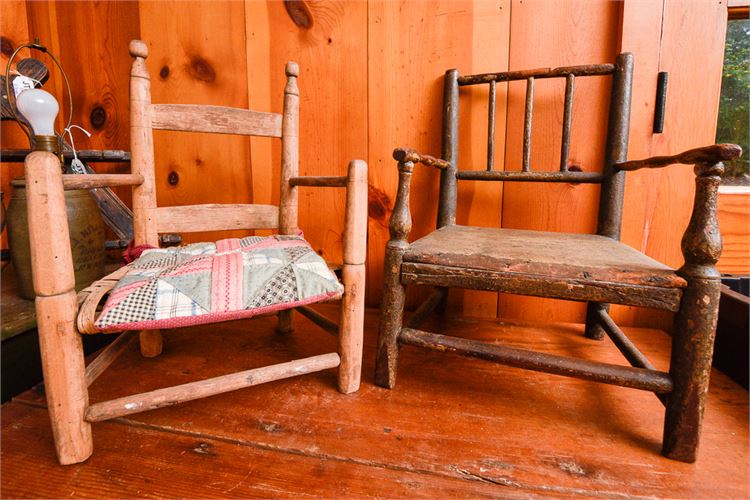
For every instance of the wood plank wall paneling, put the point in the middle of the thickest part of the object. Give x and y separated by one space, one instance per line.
411 46
332 56
100 100
480 203
694 64
734 222
197 56
371 80
550 34
641 34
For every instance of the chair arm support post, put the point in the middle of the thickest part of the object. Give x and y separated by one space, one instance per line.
695 322
351 325
51 255
56 308
400 224
708 155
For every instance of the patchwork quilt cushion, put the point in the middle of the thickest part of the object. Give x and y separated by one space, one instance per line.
207 282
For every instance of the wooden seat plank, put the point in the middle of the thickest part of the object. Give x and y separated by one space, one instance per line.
564 256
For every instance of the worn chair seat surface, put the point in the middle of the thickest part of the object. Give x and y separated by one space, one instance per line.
568 258
208 282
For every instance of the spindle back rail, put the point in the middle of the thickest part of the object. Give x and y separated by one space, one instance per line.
569 73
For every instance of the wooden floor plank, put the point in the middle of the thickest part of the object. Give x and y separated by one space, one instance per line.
448 417
171 465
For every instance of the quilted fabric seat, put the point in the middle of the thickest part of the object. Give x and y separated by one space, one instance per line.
208 282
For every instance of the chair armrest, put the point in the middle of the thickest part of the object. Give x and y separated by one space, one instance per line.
706 155
403 155
93 181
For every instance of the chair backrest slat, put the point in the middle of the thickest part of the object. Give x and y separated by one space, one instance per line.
215 119
211 217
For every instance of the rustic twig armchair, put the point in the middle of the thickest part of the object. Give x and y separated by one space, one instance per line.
62 315
597 268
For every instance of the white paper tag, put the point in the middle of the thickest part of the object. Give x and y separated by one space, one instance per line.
76 166
21 83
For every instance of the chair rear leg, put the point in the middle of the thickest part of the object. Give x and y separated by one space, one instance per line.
351 328
690 368
594 328
286 321
151 343
391 317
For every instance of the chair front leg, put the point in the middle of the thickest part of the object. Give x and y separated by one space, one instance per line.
351 325
392 307
151 343
695 323
56 308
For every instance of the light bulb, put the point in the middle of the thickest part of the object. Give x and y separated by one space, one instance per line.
40 108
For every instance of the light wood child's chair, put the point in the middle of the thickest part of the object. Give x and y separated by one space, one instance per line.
62 314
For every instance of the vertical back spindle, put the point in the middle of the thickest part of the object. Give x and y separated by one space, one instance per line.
448 181
527 124
567 121
289 152
491 128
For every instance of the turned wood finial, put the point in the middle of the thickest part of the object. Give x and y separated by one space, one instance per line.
292 69
292 72
138 48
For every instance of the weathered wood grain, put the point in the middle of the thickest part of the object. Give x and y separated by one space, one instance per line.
59 343
215 119
173 465
91 181
169 396
556 255
625 376
714 153
535 285
215 217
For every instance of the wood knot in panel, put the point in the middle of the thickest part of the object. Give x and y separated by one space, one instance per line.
98 116
299 12
378 204
200 69
6 46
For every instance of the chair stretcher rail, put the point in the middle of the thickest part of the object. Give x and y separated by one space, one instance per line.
196 390
637 378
